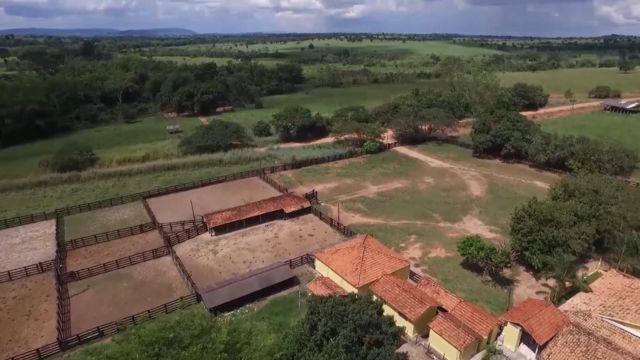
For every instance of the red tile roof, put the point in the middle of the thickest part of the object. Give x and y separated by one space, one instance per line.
361 260
323 286
288 203
454 331
478 319
541 319
403 296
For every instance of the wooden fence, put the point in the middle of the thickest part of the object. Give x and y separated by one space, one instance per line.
109 236
113 265
179 226
174 239
300 260
184 272
345 230
39 353
26 219
276 185
29 270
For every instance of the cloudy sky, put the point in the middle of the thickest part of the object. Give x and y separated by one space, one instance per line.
517 17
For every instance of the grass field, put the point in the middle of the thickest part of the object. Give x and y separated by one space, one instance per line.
423 207
254 333
580 81
618 129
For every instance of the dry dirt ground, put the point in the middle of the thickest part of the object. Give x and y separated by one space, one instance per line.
27 244
208 199
211 260
112 296
112 250
27 314
527 286
103 220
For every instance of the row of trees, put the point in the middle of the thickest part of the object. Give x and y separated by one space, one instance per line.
509 135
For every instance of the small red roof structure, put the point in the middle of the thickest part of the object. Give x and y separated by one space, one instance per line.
288 203
323 286
541 319
403 296
454 331
361 260
478 319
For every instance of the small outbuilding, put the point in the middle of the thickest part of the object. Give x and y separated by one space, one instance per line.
452 339
620 106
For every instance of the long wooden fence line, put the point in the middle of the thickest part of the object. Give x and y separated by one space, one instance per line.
300 260
274 184
147 208
343 229
179 226
114 265
124 199
29 270
184 272
40 353
114 327
63 303
109 236
173 239
26 219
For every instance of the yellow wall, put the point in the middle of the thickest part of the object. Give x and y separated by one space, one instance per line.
419 327
324 270
489 340
512 334
447 350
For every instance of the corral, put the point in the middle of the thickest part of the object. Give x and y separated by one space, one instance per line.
103 220
209 199
211 260
114 295
27 244
111 250
27 314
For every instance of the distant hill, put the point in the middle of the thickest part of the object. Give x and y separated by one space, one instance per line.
98 32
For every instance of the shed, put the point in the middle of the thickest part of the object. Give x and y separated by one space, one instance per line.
620 106
173 129
242 289
452 339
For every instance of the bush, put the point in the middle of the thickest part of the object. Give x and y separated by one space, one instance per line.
604 92
262 129
296 123
503 133
216 136
73 156
529 97
372 146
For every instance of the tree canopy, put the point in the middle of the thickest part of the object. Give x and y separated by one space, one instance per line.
73 156
216 136
296 123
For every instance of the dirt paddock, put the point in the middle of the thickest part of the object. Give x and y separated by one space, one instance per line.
112 250
27 314
112 296
210 260
27 244
103 220
208 199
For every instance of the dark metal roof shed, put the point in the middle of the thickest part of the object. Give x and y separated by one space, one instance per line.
246 284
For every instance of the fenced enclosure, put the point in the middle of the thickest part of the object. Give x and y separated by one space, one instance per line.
343 229
26 219
184 273
29 270
274 184
109 236
174 239
179 226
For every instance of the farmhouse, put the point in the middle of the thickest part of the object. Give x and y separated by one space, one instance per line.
530 325
258 212
355 264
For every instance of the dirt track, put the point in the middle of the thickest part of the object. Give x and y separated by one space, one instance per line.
27 244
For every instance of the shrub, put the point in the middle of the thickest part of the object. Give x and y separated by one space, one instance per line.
601 92
73 156
372 146
296 123
216 136
530 97
503 133
262 129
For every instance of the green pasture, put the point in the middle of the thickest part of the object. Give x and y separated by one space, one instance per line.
406 202
580 81
103 220
623 130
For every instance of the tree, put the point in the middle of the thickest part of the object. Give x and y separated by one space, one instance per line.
570 97
600 92
296 123
217 136
530 97
73 156
343 328
503 133
355 123
626 66
262 129
486 256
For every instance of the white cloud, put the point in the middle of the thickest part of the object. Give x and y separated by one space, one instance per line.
620 12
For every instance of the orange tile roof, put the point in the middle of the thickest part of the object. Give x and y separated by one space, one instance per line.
481 321
288 203
361 260
589 336
614 294
454 331
323 286
541 319
403 296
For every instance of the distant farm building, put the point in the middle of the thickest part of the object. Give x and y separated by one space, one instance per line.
277 207
224 109
622 107
173 129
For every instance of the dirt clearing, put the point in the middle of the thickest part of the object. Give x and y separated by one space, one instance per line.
208 199
214 259
112 250
103 220
27 244
112 296
27 314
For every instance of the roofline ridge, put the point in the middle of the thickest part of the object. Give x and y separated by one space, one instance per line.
364 238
